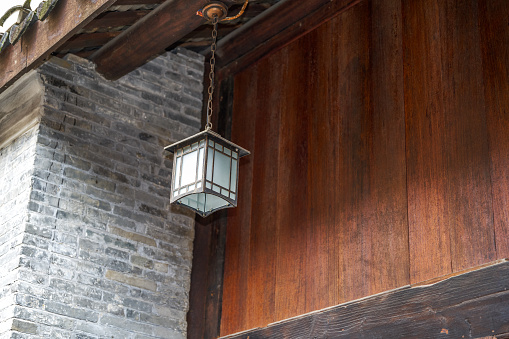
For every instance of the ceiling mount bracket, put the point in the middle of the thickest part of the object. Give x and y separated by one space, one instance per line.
215 9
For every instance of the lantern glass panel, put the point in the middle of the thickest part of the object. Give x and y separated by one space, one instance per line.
221 169
176 177
189 166
233 179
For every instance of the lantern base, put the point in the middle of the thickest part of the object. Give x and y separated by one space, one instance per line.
204 203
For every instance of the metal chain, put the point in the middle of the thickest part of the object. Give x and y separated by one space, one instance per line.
208 126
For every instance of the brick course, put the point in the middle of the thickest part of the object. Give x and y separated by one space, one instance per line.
97 249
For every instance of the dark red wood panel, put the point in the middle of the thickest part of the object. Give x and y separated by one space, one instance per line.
388 214
469 210
494 23
430 251
380 142
236 273
354 140
450 211
260 302
292 183
321 180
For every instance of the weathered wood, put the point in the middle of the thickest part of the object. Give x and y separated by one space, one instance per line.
292 215
44 37
149 36
468 191
260 303
494 16
449 189
271 30
236 275
322 180
137 2
88 40
115 19
388 228
341 180
471 305
21 107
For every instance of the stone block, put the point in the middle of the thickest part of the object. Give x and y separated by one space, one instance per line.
132 281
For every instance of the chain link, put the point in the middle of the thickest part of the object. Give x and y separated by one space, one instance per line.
208 126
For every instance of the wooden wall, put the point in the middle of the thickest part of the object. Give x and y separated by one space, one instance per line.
380 158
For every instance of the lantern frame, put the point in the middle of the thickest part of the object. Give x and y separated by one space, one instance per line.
204 182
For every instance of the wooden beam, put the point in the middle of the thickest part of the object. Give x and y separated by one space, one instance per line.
85 40
115 19
44 37
471 305
149 36
138 2
273 29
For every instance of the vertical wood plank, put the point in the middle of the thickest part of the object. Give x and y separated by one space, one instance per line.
236 273
450 210
292 213
262 258
355 129
430 251
469 211
494 23
320 178
388 215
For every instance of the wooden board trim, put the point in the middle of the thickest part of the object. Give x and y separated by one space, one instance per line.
44 37
471 305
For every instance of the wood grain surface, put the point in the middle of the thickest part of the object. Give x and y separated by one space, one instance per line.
472 305
380 158
494 22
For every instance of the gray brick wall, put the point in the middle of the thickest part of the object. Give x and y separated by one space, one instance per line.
103 254
16 166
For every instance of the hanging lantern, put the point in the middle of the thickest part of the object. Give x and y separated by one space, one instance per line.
205 165
205 172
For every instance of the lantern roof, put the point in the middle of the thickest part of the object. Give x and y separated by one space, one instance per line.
171 148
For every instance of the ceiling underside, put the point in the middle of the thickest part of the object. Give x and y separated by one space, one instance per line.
125 13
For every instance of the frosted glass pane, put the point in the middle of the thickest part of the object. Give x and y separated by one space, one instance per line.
204 202
194 146
202 142
176 183
227 151
191 187
232 196
221 170
211 143
189 163
210 161
214 202
200 165
219 147
208 185
216 188
234 155
233 181
175 193
198 184
179 152
183 190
